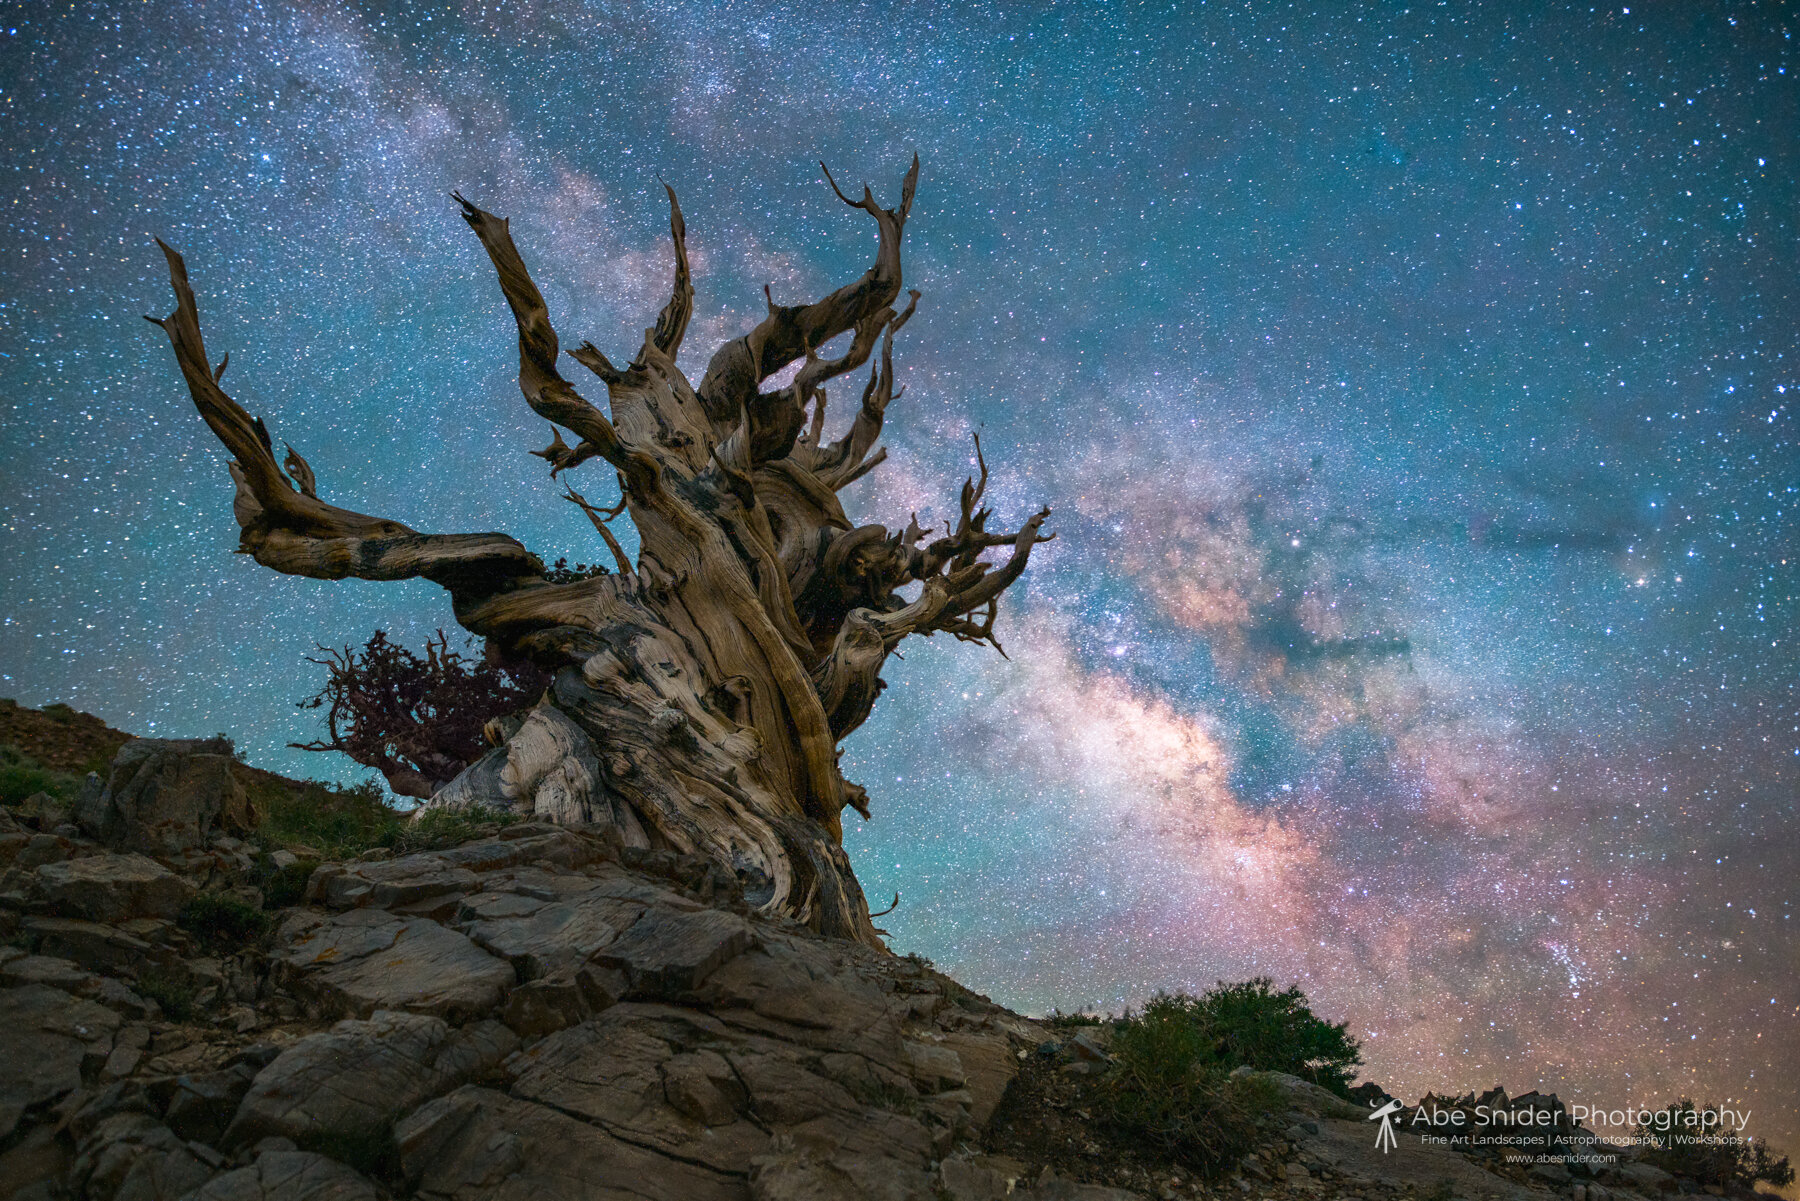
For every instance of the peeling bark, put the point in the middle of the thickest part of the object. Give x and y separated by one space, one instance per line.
699 694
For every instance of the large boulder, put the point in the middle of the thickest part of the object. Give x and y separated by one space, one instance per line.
112 888
164 796
47 1039
1646 1178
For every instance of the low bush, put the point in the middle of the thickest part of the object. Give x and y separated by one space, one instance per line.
221 924
1689 1141
172 989
329 821
1167 1091
1251 1023
1171 1084
282 886
1056 1019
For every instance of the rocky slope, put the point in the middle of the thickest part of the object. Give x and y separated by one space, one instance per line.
535 1013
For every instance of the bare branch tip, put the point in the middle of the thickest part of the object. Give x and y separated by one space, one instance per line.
834 186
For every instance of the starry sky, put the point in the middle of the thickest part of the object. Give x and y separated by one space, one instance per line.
1413 387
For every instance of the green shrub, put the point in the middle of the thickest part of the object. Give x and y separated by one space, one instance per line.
1167 1091
1251 1023
170 988
221 924
1171 1087
1056 1019
1683 1142
22 776
282 886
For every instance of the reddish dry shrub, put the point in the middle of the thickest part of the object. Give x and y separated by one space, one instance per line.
417 720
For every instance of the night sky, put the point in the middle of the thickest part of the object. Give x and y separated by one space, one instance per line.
1414 389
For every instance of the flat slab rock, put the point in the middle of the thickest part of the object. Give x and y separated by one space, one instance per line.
692 1087
287 1176
667 953
478 1144
412 880
112 888
404 881
70 977
543 937
355 1079
357 962
1349 1148
659 1078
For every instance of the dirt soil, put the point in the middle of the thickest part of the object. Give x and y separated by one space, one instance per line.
61 738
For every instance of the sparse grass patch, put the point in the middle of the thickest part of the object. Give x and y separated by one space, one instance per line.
436 829
894 1100
328 820
221 924
22 776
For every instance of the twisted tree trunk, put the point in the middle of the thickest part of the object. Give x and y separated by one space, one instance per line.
699 694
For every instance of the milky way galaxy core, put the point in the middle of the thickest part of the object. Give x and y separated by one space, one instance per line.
1411 386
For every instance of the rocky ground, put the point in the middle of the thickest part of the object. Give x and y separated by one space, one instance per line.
534 1013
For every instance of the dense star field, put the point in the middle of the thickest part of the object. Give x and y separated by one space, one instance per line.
1414 389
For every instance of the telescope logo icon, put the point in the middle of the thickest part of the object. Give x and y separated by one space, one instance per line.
1384 1138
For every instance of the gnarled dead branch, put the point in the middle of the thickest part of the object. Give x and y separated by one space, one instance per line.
698 694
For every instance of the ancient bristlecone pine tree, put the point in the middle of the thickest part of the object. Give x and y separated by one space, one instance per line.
699 694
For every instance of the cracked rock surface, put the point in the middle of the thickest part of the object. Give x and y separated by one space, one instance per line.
534 1014
537 1014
